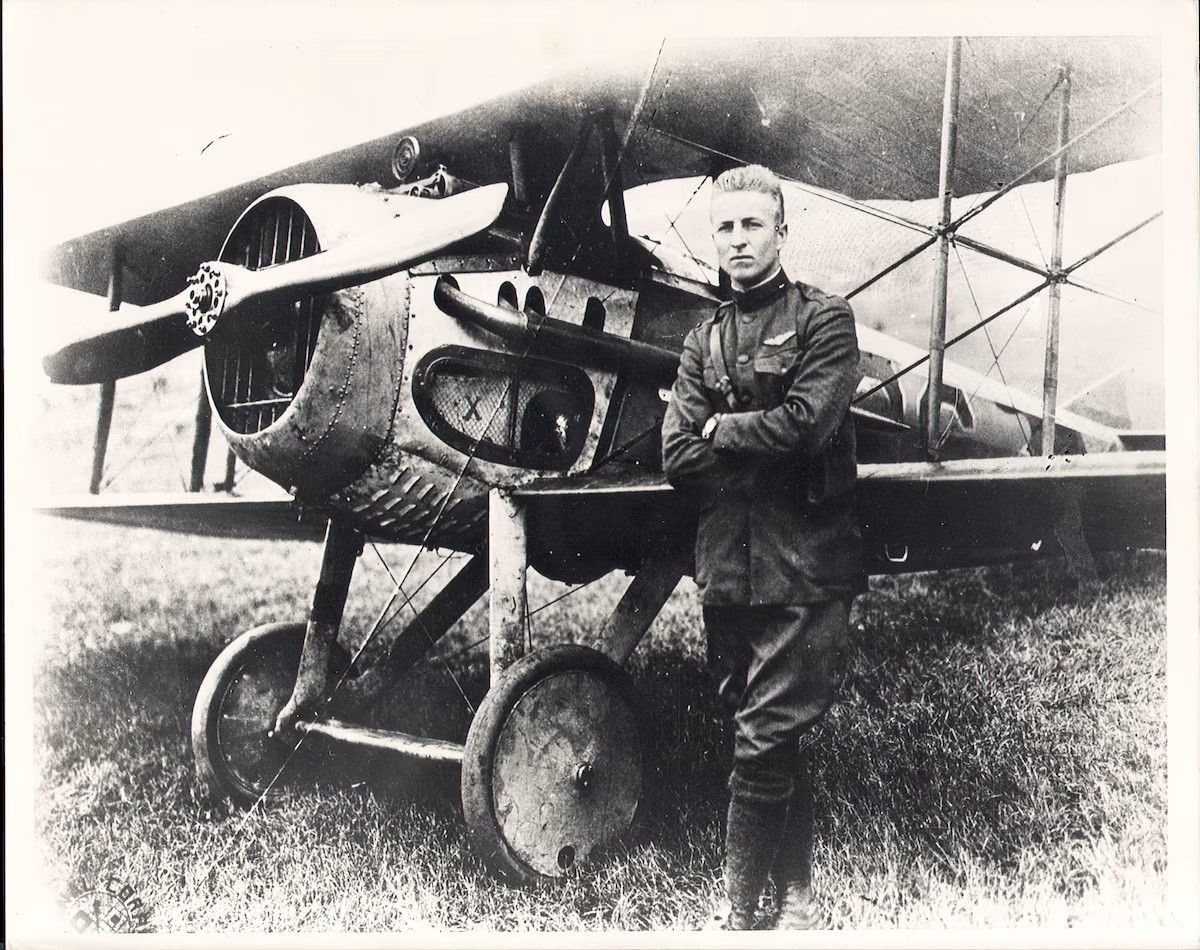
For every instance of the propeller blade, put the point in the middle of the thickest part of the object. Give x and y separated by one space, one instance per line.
421 228
153 335
142 338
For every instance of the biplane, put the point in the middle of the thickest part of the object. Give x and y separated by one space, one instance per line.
450 337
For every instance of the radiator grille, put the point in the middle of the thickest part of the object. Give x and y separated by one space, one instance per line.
257 363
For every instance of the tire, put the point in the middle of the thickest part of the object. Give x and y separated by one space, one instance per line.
552 768
235 709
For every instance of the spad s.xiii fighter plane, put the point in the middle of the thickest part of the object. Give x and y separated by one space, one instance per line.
450 337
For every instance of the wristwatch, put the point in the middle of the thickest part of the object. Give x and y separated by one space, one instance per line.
710 427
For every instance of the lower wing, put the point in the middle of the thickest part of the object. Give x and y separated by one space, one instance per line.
216 515
931 515
915 516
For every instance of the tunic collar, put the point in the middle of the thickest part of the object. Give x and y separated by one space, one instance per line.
763 293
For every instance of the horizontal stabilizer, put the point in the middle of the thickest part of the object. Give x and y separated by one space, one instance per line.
1106 400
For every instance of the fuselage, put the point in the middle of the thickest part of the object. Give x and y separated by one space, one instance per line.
378 405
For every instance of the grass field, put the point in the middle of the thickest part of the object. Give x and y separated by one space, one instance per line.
999 758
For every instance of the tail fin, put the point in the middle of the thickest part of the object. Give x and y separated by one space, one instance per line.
1129 400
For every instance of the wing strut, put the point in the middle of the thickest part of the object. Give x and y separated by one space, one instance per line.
614 188
937 323
537 243
201 433
108 389
1054 307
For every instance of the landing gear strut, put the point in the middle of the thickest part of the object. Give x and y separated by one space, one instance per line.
233 719
552 770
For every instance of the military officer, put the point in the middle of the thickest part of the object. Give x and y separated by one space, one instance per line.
758 429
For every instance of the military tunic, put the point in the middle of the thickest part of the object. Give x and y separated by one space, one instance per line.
774 486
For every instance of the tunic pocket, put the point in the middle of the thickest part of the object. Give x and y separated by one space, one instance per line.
773 375
779 364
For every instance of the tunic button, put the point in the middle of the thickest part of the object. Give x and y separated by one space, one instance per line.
743 358
746 318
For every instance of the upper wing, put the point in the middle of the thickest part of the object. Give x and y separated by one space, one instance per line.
862 116
215 515
858 116
923 516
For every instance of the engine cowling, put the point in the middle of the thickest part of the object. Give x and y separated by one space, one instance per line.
305 390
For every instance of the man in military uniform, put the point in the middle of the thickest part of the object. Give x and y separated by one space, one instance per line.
759 429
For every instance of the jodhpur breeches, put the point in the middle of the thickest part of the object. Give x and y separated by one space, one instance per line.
778 669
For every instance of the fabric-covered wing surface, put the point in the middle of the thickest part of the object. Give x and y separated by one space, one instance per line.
862 116
858 116
926 516
915 516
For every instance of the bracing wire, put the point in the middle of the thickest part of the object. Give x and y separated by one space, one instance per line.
671 223
1036 112
831 196
1025 434
1092 255
462 651
920 361
417 616
145 445
1033 231
687 204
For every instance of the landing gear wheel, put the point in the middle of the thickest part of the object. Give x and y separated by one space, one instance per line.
235 710
552 770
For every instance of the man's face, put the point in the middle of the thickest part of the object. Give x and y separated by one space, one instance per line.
747 235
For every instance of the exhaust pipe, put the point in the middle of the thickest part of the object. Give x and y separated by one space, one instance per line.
582 346
558 339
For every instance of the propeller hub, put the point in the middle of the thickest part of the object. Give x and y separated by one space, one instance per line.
206 296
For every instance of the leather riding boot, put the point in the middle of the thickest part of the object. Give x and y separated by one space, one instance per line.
792 869
752 833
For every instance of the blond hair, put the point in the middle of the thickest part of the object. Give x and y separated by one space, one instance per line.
752 178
